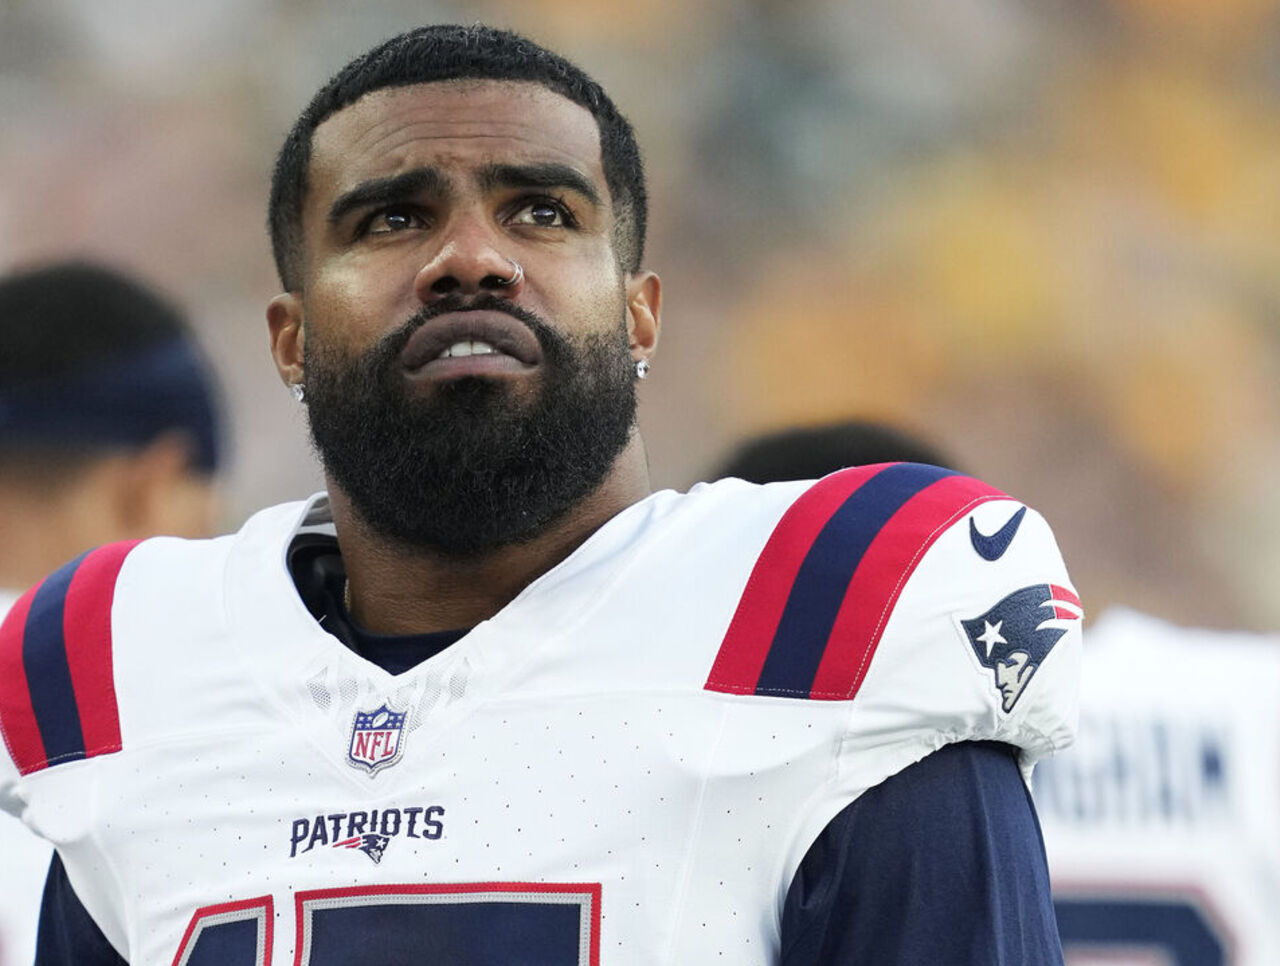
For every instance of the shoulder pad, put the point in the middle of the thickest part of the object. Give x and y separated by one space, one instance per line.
57 690
817 601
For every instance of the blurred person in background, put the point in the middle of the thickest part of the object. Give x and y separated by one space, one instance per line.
491 699
811 452
1161 822
109 431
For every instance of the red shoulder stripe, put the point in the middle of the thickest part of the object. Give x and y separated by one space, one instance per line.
17 715
884 570
746 644
87 628
57 683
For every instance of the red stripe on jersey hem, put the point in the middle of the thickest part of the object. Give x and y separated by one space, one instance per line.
86 629
746 644
593 889
17 714
877 583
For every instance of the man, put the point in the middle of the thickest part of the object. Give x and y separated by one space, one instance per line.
490 700
108 431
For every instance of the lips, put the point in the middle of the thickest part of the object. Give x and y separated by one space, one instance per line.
479 331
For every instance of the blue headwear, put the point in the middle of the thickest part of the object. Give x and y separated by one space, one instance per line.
126 402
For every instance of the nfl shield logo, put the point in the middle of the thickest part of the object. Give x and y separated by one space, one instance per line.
377 738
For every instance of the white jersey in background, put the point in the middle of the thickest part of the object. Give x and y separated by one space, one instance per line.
24 860
1162 824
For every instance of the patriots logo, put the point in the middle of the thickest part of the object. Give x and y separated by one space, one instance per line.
1015 636
371 844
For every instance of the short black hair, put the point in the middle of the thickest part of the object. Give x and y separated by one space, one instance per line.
60 319
811 452
444 52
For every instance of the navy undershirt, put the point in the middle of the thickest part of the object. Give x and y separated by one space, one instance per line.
941 864
321 579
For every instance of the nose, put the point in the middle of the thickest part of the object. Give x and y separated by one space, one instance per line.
468 263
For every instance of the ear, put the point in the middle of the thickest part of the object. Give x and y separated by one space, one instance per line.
284 321
644 313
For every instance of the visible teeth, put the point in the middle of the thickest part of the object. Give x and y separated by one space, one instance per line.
459 349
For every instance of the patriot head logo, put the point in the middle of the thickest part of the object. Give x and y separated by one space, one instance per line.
377 738
1015 636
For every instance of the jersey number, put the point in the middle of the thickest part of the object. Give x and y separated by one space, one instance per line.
466 924
1175 926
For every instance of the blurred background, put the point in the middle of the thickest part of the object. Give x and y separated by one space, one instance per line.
1041 234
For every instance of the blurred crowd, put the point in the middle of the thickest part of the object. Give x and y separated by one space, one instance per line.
1044 233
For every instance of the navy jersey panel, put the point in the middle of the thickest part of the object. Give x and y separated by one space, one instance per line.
943 863
68 935
468 934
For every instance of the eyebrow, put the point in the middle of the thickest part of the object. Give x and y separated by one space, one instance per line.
542 175
381 191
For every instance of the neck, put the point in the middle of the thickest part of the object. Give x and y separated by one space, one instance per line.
42 530
399 591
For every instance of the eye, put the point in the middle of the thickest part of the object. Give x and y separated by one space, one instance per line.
544 213
389 220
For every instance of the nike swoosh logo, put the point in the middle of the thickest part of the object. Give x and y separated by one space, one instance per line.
993 547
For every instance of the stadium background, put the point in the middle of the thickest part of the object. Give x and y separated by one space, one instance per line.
1043 235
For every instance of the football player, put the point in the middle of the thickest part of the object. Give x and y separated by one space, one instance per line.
489 699
108 431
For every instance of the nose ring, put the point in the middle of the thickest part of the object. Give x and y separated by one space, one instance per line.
516 277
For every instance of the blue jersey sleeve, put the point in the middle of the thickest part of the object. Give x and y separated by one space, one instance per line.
943 864
68 935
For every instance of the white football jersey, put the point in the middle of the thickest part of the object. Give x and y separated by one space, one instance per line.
25 862
625 765
1162 825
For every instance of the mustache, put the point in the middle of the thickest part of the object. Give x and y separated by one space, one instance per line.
390 345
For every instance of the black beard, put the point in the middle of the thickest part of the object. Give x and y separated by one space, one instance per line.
469 469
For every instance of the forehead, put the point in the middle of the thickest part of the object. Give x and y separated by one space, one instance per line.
452 125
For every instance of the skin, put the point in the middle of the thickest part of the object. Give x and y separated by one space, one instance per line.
46 520
377 249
